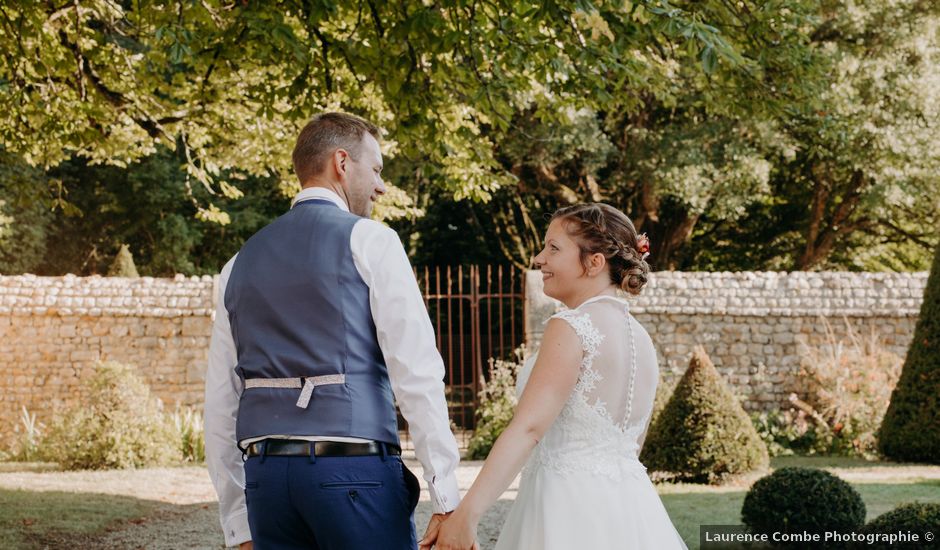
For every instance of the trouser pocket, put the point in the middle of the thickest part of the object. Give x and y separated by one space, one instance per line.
351 485
414 487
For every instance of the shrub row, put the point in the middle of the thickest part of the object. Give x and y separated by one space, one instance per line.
118 424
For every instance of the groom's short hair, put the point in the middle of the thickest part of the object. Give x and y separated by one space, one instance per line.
322 136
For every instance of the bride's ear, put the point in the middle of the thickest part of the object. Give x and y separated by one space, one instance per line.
596 264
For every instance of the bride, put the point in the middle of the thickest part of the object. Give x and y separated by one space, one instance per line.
584 409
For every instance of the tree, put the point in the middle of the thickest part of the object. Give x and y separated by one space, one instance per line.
910 430
138 205
870 157
853 179
25 222
806 127
228 85
828 160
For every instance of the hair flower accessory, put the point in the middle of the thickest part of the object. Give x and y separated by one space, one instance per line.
643 245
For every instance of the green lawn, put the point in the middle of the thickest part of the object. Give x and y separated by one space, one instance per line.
35 519
58 519
836 462
690 505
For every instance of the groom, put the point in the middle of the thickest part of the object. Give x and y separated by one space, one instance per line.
319 321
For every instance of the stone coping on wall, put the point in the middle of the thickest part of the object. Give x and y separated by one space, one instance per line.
755 293
98 296
794 294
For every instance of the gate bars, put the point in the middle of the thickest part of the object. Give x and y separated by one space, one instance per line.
478 313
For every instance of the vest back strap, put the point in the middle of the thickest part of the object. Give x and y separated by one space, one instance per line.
305 384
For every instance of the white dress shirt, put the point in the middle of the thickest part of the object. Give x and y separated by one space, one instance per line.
415 369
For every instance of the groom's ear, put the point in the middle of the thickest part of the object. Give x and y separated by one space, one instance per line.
340 163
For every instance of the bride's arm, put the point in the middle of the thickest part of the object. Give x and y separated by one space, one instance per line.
553 378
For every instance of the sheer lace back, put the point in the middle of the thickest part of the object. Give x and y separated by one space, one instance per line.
605 419
610 369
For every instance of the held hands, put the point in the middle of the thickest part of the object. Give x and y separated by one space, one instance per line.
430 534
452 531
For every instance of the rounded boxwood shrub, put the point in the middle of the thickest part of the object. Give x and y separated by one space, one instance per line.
118 424
802 499
914 517
910 430
703 435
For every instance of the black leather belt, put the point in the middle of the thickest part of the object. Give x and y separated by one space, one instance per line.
294 447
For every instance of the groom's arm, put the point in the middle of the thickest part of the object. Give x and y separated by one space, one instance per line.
415 367
223 389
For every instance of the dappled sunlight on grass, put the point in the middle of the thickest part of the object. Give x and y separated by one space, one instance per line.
31 519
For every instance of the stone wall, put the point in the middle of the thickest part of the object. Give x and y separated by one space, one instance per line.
757 325
54 329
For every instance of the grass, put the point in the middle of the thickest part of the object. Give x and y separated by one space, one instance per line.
691 505
54 519
817 461
59 518
29 467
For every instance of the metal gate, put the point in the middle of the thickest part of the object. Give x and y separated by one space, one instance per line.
478 313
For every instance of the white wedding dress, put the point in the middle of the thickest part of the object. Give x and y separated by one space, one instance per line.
584 487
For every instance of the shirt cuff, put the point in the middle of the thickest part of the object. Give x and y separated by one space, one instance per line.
445 496
236 529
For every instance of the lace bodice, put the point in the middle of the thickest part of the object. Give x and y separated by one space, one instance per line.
603 423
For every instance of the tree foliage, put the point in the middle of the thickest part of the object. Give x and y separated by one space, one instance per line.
25 218
827 161
138 205
228 84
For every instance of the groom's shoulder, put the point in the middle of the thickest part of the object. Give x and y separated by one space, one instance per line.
372 229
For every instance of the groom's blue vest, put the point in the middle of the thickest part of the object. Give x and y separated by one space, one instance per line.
298 308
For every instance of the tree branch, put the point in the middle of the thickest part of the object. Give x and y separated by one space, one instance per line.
324 46
376 19
917 238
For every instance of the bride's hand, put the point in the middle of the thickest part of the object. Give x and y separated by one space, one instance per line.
458 532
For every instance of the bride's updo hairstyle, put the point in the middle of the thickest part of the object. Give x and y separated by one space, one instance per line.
601 228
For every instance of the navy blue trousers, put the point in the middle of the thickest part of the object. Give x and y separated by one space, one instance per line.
331 503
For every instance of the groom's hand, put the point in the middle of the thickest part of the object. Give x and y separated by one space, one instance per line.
430 535
245 546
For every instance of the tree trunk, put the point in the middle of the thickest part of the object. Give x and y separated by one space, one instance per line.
667 241
821 233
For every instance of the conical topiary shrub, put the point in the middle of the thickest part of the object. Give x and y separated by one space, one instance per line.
910 430
123 264
703 435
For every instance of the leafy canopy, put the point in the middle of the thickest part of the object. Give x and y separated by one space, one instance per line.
229 83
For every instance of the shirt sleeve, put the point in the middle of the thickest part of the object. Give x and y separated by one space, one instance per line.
415 367
223 390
